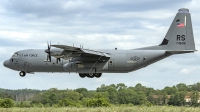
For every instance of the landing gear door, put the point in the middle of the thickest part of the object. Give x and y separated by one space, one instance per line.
26 66
110 64
16 66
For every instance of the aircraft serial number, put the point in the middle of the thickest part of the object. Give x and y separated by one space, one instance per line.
181 43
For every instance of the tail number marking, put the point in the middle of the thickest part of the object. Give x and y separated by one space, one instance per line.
180 40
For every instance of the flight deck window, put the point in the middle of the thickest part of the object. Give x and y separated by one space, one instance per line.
15 55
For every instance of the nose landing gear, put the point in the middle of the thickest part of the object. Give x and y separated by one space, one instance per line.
22 73
90 75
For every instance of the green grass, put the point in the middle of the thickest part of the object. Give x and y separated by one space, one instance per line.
105 109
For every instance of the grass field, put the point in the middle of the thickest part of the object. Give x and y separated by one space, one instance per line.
106 109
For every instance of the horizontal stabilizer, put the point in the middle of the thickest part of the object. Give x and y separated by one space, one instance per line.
180 52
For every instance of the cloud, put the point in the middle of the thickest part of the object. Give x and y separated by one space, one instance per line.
193 5
49 8
144 5
189 70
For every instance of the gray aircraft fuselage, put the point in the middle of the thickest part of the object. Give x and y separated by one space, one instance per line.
121 61
92 63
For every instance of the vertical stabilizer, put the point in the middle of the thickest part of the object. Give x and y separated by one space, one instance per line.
180 33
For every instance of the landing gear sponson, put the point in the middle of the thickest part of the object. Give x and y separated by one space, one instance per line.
90 75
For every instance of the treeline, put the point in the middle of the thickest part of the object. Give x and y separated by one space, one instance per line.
108 95
18 95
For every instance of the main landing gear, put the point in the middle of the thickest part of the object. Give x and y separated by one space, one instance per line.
22 73
90 75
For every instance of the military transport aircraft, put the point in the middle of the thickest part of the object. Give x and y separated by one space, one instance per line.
92 63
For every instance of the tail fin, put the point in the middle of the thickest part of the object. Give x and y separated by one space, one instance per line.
180 33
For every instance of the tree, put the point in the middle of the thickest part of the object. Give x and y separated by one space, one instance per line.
182 87
99 100
170 90
194 87
6 103
140 98
139 87
66 102
0 101
72 95
126 96
194 98
23 104
121 86
80 90
178 99
111 91
52 99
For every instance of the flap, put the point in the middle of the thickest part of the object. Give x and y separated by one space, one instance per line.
95 52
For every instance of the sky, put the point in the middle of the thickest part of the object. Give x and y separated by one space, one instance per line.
102 24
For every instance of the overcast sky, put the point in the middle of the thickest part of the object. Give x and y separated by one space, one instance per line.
97 24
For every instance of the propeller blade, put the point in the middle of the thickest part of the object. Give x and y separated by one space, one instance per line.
48 51
57 60
48 46
49 57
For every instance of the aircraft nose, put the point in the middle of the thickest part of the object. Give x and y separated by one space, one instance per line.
6 63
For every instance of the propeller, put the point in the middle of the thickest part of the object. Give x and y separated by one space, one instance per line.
57 60
48 52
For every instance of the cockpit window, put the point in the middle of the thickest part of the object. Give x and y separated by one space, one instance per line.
15 55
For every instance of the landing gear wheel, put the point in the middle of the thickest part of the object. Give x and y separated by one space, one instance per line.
22 73
90 75
82 75
97 75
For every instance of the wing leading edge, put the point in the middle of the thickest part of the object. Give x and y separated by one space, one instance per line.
82 51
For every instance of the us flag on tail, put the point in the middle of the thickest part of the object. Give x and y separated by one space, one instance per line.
180 25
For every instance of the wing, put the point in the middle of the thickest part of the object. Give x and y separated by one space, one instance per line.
75 51
67 48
